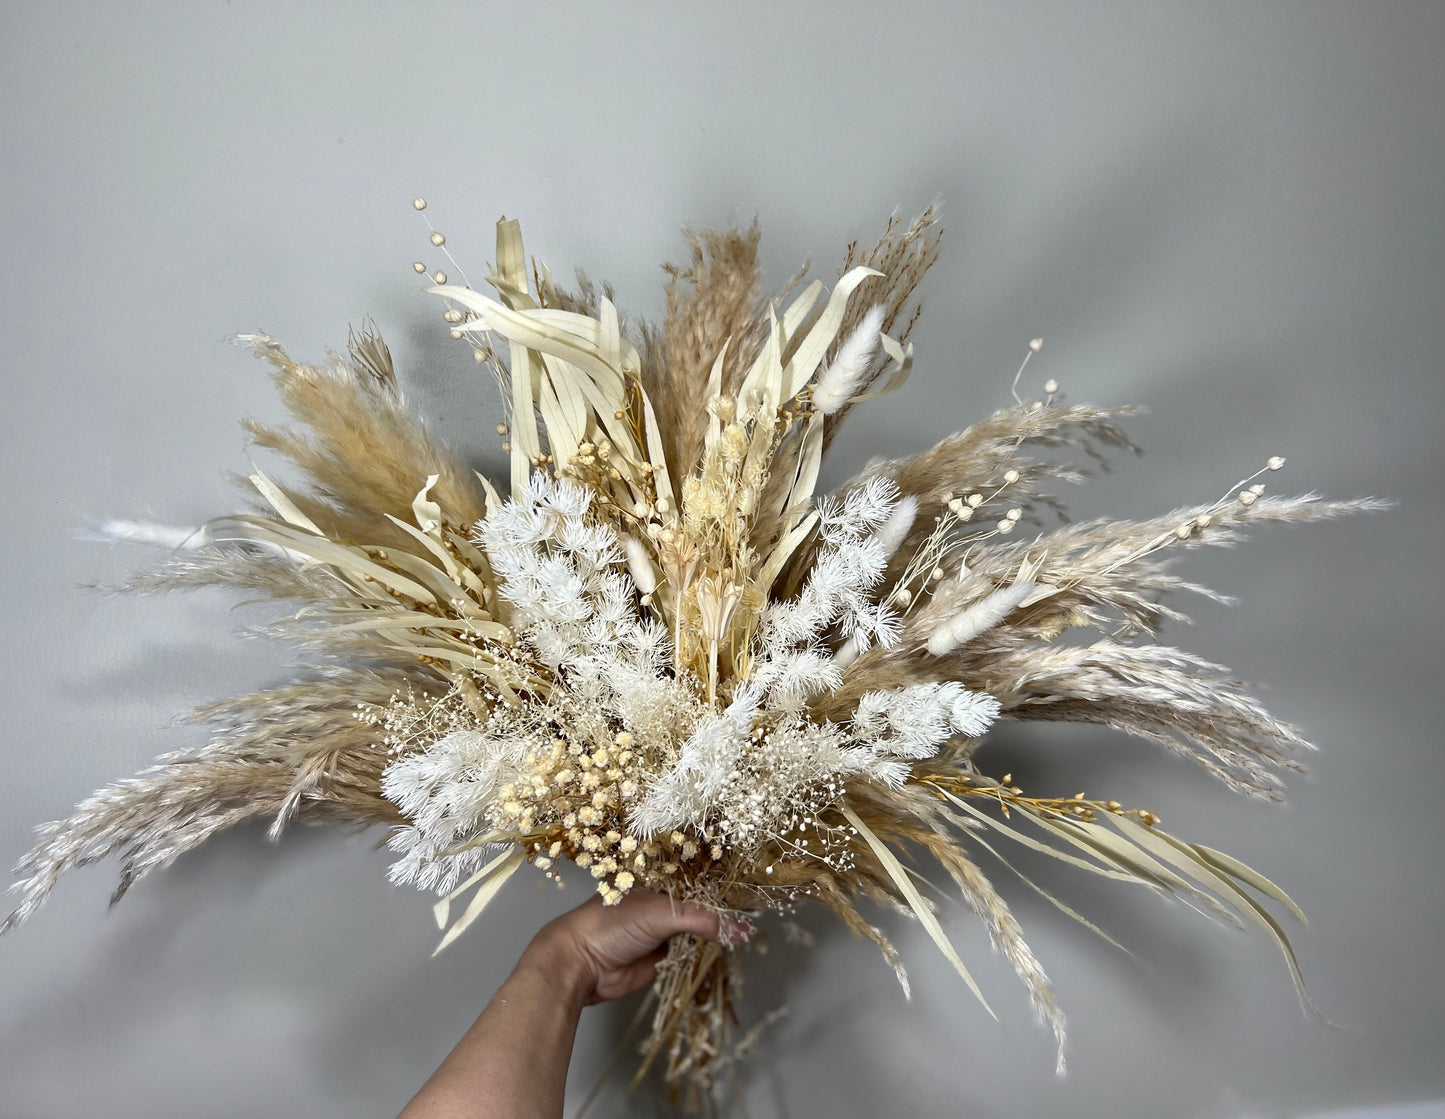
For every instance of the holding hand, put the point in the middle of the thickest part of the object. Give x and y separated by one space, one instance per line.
512 1063
611 951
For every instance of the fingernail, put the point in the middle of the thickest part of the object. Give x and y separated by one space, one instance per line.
734 931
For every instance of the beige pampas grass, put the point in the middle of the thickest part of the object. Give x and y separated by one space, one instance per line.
657 653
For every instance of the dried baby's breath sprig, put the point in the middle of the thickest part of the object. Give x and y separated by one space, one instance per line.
657 653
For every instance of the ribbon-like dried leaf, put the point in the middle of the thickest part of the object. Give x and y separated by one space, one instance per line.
921 908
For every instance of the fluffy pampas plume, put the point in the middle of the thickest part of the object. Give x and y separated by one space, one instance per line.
656 652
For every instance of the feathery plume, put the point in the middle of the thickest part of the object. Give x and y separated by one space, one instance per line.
843 376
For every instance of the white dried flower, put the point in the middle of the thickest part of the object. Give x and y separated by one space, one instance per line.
981 616
843 377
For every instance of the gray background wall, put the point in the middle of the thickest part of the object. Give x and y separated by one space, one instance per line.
1229 212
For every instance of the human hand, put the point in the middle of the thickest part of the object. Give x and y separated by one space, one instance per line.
611 951
513 1061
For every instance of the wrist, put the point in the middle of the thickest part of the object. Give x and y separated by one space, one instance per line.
553 960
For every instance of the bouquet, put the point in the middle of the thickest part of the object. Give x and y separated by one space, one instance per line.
656 651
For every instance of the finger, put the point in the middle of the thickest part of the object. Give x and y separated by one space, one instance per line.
735 930
657 917
638 974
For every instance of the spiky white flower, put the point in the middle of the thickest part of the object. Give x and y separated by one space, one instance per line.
845 571
445 790
915 721
708 764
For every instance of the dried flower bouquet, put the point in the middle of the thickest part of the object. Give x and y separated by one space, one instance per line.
659 654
